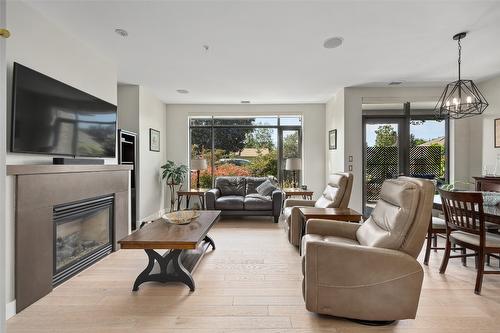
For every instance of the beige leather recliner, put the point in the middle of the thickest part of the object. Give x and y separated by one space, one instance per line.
369 271
336 195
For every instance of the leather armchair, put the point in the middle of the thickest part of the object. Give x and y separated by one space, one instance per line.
369 271
336 195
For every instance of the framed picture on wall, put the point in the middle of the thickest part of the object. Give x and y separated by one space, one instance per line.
332 139
154 140
497 133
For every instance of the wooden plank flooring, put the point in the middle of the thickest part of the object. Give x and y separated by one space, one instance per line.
250 283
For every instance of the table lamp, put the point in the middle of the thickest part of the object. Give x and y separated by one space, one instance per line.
293 164
198 164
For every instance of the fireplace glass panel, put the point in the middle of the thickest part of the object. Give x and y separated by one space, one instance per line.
81 236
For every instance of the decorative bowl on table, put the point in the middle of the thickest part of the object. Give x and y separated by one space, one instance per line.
181 217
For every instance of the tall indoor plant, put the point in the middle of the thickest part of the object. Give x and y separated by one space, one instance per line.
174 175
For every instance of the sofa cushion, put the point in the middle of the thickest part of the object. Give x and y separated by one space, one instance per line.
258 202
253 183
230 202
392 217
231 185
266 188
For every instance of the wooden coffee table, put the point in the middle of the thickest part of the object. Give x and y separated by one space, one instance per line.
187 244
337 214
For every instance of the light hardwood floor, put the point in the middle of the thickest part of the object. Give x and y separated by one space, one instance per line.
250 283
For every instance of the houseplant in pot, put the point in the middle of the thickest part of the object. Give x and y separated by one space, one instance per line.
174 175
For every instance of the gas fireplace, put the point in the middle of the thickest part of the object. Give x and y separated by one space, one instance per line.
82 235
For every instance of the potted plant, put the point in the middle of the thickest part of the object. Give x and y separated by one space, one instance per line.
174 176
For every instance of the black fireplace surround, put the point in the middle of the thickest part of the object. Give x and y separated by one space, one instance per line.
83 234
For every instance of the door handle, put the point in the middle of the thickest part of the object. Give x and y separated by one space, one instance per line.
4 33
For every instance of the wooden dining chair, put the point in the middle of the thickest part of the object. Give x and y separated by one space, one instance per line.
465 226
436 226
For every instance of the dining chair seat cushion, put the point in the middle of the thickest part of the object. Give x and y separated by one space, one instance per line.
492 240
491 226
438 223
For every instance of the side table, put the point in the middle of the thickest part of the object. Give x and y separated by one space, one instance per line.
337 214
200 193
298 192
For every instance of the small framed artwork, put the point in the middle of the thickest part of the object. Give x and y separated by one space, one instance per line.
497 133
154 140
332 139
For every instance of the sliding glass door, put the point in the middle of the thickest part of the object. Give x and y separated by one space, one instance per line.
383 157
411 142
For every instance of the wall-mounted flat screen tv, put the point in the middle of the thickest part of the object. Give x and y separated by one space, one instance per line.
53 118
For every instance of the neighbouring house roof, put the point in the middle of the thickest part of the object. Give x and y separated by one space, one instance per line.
253 152
438 140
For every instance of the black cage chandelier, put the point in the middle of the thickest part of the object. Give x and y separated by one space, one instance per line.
461 98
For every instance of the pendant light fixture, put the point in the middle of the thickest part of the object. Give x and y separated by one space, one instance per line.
461 98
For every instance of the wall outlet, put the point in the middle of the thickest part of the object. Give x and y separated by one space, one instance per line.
350 167
350 158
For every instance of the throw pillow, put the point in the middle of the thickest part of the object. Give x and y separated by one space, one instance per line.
266 188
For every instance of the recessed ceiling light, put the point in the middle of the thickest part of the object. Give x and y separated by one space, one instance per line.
245 102
395 83
183 91
333 42
121 32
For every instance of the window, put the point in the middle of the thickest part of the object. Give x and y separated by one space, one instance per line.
245 146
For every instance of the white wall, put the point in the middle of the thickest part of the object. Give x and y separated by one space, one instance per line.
313 132
335 120
491 90
138 111
128 107
152 114
3 111
43 46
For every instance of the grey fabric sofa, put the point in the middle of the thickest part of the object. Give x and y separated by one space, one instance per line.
237 196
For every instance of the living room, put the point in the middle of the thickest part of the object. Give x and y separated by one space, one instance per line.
231 116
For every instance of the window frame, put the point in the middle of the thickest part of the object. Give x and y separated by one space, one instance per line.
279 130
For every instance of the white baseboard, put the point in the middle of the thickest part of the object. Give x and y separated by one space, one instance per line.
10 309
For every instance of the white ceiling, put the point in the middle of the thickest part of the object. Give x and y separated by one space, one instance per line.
272 51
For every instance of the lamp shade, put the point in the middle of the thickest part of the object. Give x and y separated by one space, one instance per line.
293 164
199 164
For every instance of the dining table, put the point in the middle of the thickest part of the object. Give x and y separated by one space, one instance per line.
491 213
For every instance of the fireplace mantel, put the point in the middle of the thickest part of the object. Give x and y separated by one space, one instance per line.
38 189
33 169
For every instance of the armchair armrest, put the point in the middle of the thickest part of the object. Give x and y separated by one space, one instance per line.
362 276
332 228
277 197
210 197
299 202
